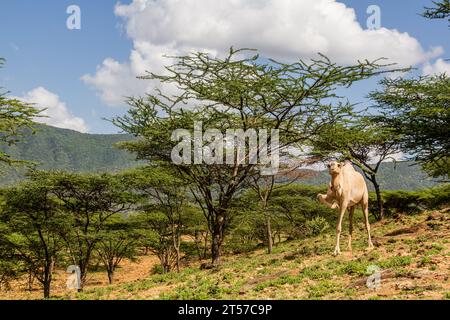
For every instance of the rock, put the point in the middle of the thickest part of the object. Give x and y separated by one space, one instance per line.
406 286
420 274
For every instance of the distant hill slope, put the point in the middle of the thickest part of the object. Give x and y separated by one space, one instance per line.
392 176
61 149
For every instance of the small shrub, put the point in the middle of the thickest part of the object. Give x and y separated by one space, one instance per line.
322 289
355 268
396 262
411 202
317 226
316 273
281 281
425 261
157 269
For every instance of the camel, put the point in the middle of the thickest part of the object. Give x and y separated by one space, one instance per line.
346 190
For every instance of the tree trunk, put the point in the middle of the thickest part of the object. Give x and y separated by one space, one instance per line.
177 252
83 276
30 280
176 246
269 234
205 249
380 214
48 276
46 289
217 240
110 276
47 279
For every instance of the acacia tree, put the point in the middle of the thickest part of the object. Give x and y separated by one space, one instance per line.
154 231
365 144
34 224
161 191
235 93
118 241
441 10
89 201
418 111
265 185
14 116
10 265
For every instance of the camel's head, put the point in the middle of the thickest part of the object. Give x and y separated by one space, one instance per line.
334 167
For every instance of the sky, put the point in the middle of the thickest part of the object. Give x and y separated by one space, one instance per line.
82 76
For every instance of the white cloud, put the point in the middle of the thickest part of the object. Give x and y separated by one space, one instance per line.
281 29
57 114
439 67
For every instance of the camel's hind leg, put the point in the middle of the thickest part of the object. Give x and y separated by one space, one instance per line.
350 227
365 207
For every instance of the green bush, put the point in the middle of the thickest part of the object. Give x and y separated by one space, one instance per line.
411 202
317 226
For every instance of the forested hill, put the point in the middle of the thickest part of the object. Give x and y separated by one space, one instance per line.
399 176
63 149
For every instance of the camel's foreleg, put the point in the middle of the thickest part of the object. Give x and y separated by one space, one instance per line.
328 201
337 250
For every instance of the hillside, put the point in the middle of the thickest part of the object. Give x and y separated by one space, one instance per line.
412 254
392 176
62 149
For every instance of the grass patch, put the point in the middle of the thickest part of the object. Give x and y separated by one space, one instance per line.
323 288
198 289
397 261
281 281
356 267
316 272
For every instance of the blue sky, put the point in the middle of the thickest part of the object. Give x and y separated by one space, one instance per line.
42 53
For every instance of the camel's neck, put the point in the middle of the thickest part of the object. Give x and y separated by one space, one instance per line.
335 181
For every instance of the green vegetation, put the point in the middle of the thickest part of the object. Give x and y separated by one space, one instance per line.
441 10
118 241
60 149
398 202
417 111
15 116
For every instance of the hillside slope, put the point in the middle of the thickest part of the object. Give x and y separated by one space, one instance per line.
412 254
62 149
392 176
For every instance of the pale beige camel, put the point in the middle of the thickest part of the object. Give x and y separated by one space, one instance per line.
346 190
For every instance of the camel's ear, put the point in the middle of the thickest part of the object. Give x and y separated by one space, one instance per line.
340 165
